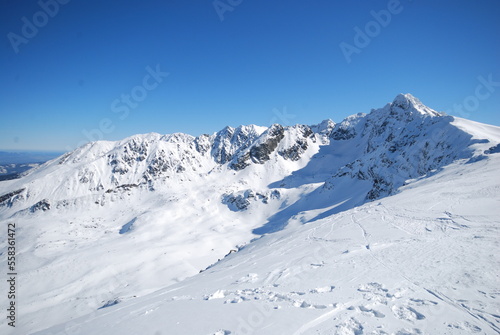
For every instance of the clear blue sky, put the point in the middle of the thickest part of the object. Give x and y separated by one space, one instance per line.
265 61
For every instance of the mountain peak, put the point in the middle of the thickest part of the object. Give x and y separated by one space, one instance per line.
408 103
405 98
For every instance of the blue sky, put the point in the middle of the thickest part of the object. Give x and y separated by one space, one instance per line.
86 72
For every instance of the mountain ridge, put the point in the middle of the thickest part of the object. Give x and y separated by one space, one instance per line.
150 210
167 155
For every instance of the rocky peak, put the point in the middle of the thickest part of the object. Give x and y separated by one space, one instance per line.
229 141
408 104
323 129
259 152
347 129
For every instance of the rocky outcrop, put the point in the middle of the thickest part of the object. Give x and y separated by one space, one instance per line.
242 200
259 153
9 198
296 150
42 205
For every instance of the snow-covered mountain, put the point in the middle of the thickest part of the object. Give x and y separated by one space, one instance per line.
112 222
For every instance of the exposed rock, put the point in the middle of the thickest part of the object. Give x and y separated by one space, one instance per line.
42 205
203 144
493 150
9 198
241 201
347 128
294 153
236 202
259 153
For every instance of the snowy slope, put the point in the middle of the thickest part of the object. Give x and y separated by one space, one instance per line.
114 221
424 261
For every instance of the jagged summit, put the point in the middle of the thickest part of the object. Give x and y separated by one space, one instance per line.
409 104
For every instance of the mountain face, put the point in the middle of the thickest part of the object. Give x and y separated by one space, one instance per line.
160 208
404 140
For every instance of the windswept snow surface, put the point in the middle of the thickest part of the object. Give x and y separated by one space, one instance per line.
102 228
424 261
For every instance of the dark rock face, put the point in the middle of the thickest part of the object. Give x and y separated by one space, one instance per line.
158 165
241 163
9 198
221 152
380 188
347 129
42 205
229 141
236 202
275 194
343 134
294 153
118 165
259 153
124 187
243 200
202 144
493 150
134 151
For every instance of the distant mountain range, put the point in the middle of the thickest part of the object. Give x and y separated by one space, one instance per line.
26 157
14 163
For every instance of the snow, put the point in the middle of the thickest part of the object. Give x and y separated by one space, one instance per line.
383 223
420 262
478 130
405 102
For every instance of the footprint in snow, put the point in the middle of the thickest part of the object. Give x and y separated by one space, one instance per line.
350 327
470 328
407 313
372 287
371 312
323 289
376 292
305 304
